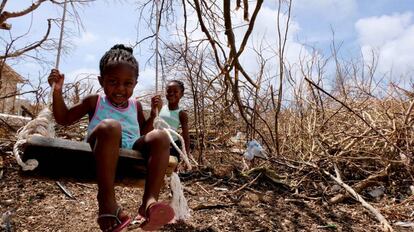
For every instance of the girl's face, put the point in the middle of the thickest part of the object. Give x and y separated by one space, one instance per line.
173 93
118 83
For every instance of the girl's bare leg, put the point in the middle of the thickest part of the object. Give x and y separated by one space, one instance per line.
156 145
105 142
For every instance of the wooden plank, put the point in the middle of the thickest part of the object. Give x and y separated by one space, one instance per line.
58 144
73 160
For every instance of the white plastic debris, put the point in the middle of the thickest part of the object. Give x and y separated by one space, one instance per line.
405 159
254 149
377 192
336 188
6 224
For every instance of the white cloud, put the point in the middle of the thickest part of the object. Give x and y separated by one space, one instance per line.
265 27
87 38
376 31
264 35
85 75
146 81
391 38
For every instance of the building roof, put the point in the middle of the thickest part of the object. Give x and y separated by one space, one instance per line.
9 72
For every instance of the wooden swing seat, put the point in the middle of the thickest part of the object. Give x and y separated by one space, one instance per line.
74 161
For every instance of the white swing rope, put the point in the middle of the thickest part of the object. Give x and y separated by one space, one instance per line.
43 124
178 202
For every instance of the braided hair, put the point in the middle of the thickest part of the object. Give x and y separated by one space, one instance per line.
179 83
118 54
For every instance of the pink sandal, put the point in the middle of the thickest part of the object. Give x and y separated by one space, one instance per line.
120 225
157 215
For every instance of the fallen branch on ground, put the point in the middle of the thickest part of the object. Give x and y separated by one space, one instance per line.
247 184
384 223
270 174
215 206
361 185
64 190
1 167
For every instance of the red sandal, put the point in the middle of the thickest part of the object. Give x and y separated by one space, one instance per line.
157 215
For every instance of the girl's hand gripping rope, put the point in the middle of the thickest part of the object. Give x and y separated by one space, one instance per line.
56 80
156 105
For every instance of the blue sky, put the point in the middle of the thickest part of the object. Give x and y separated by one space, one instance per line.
387 26
316 18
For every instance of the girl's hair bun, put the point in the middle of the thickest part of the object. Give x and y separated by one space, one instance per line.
123 47
118 54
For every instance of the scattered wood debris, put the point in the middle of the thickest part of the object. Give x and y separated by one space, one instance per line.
65 190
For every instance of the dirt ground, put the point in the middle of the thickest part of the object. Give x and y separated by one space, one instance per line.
217 195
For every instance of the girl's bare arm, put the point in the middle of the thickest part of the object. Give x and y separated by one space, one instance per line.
67 116
141 117
184 127
62 114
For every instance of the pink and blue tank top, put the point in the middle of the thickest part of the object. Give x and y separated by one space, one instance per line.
127 117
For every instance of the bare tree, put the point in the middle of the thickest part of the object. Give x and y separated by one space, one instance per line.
10 50
14 49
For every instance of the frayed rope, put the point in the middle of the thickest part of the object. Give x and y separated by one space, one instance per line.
178 202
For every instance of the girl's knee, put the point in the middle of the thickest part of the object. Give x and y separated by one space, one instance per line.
159 138
109 127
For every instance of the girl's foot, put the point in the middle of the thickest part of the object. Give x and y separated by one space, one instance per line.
114 222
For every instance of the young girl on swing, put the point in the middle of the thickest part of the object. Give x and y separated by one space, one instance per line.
116 120
175 116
